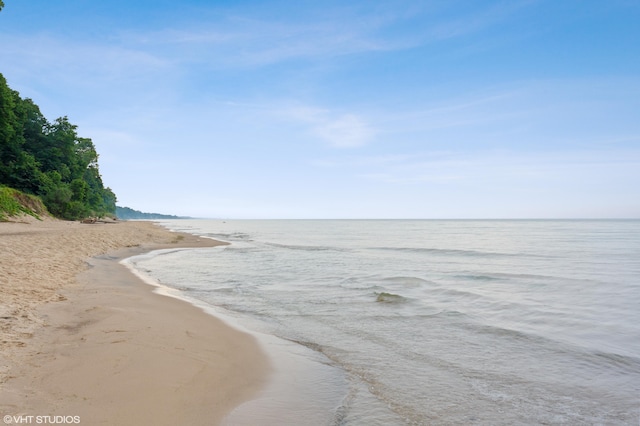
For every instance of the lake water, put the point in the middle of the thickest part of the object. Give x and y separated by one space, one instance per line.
430 322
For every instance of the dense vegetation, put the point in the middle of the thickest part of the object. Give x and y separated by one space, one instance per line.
126 213
49 160
14 202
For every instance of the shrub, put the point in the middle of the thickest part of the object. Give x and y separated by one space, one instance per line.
13 203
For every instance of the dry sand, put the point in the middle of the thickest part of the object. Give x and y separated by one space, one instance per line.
82 336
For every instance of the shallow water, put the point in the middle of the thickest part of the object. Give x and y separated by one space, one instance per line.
437 322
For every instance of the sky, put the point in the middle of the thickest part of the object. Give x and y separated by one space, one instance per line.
361 109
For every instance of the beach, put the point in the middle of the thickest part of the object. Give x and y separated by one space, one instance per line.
84 338
364 322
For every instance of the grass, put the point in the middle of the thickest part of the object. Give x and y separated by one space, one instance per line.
14 203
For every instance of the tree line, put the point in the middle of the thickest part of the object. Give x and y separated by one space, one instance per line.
50 160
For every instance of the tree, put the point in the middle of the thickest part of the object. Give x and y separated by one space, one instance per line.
8 143
34 126
50 160
11 139
30 123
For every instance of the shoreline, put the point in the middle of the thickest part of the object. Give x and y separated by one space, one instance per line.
303 386
103 346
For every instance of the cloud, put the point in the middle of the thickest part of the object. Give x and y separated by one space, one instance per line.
477 20
345 131
340 130
67 57
509 170
239 38
232 40
76 76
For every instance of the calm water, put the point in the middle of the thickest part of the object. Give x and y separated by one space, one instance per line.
436 322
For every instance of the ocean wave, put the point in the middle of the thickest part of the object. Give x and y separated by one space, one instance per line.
502 276
306 343
624 363
446 252
304 248
375 282
233 236
503 332
457 294
478 277
597 360
449 314
359 283
407 281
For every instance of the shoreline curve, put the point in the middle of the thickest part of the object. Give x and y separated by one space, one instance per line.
103 346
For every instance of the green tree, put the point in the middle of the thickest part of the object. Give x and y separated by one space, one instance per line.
80 189
55 193
18 169
34 127
9 140
50 160
29 123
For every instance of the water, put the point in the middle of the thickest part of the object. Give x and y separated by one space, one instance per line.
435 322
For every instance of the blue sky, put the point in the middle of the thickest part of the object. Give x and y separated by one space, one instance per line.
360 109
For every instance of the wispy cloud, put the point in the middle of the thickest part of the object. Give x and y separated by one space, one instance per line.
80 67
340 130
248 42
345 131
488 170
236 39
239 39
475 20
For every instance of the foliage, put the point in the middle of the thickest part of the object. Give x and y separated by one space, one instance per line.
13 202
50 160
126 213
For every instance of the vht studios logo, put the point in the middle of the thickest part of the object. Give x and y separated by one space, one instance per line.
41 420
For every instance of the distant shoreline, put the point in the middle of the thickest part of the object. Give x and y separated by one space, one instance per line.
127 213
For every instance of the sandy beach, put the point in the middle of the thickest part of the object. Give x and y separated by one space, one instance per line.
81 336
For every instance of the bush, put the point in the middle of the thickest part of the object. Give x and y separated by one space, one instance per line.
13 203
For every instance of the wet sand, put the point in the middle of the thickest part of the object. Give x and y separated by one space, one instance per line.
82 336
